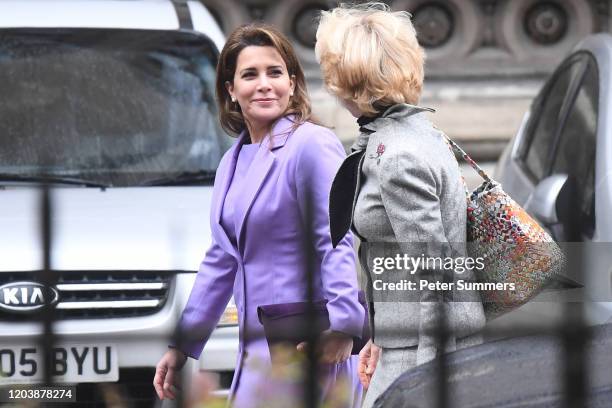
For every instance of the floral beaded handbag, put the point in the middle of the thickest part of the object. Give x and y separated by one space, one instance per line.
517 252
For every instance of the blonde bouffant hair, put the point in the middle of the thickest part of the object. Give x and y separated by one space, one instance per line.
370 55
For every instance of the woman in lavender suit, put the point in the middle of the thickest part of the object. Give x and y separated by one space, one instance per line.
269 220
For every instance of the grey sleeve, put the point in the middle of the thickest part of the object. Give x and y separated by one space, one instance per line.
409 190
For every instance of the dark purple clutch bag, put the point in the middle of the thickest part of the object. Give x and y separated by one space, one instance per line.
289 322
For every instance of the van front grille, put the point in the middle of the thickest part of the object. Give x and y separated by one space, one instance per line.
100 294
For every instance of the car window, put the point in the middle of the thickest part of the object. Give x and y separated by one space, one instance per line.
118 107
545 118
574 151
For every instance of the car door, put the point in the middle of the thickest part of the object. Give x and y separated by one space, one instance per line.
573 152
558 136
521 165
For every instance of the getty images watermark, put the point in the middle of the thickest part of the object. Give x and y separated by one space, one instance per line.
424 273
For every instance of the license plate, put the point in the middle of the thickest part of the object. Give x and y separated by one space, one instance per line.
70 363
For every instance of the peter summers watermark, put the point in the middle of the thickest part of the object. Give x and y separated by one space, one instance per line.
424 284
426 265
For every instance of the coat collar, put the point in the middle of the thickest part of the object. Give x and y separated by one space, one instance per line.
395 112
262 164
343 195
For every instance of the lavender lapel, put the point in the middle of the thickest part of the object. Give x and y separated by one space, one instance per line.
259 170
226 173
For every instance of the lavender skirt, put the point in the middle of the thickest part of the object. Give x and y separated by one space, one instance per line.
263 385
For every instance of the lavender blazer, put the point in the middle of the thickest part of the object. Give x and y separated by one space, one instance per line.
291 173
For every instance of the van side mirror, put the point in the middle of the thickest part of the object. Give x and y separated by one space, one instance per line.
542 202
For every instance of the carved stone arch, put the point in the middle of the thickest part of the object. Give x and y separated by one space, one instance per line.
448 30
297 19
228 13
542 28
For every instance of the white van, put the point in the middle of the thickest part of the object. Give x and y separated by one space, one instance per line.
112 104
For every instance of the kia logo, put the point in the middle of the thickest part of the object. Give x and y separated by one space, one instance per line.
24 296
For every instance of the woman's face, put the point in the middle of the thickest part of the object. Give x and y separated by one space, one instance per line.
261 86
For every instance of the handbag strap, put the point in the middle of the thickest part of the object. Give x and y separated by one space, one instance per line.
467 158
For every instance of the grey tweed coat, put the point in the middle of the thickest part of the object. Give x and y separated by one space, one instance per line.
402 193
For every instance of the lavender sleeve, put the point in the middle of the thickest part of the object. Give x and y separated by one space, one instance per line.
211 292
319 158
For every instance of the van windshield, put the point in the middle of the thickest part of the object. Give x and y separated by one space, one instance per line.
115 107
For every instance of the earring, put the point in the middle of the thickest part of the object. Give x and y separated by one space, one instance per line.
291 93
233 99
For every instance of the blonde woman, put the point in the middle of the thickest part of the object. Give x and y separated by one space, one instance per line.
400 190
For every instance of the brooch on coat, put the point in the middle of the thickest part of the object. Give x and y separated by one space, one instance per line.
379 151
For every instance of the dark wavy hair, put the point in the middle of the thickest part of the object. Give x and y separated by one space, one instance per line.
230 115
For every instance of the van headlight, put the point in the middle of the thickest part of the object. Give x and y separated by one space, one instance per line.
230 315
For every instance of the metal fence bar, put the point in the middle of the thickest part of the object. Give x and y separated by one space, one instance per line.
575 338
48 279
178 338
441 399
311 395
